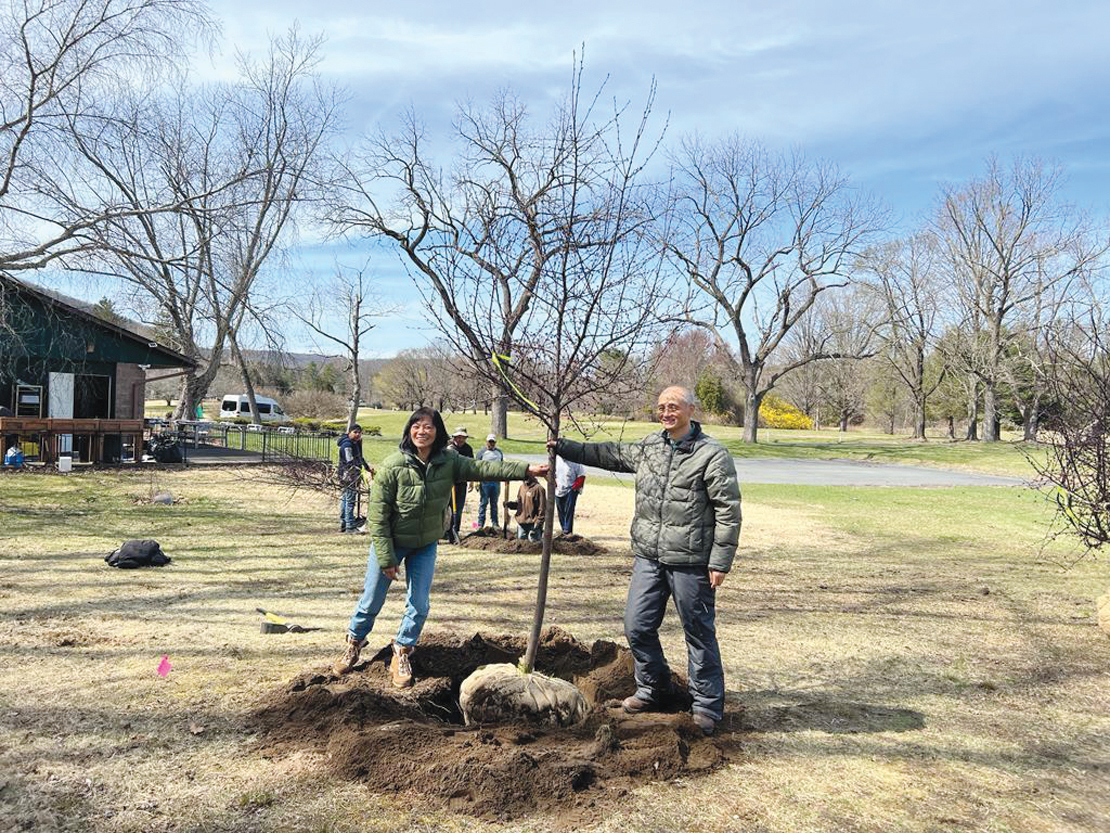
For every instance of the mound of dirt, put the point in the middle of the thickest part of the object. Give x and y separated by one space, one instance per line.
414 740
490 539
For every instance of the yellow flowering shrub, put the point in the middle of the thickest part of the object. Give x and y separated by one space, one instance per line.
778 413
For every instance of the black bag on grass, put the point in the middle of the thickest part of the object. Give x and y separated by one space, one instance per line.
166 449
132 554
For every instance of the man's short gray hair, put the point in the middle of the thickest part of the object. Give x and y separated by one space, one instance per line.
688 395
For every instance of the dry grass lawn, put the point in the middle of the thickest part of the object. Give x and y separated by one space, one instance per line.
907 660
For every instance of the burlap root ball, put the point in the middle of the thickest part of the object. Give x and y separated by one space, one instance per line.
1103 607
502 693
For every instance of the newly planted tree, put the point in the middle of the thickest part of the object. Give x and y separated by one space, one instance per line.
535 254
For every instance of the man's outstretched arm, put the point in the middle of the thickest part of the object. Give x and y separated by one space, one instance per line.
608 456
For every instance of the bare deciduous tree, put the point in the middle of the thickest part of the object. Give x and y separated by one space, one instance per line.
1008 241
536 254
908 281
844 328
1075 474
236 162
760 237
61 61
406 380
350 295
479 237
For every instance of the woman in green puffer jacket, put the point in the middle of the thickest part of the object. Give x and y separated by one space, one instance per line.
406 519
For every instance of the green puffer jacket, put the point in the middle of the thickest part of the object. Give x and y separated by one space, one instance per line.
408 499
687 497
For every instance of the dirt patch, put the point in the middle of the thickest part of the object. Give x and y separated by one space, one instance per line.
490 539
414 741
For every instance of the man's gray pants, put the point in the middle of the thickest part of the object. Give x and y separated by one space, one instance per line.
652 584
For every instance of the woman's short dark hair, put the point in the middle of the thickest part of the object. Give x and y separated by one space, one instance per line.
440 442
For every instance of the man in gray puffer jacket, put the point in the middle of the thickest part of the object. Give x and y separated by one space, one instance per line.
684 536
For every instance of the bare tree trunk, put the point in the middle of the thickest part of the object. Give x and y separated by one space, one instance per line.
973 413
1029 427
193 390
248 383
499 420
751 414
951 428
843 422
1030 418
545 558
990 412
189 397
354 331
919 417
919 396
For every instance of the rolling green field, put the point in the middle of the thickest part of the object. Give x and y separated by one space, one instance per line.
527 435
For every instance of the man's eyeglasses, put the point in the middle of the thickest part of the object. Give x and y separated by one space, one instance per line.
668 409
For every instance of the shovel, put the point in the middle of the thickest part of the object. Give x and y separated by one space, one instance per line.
272 623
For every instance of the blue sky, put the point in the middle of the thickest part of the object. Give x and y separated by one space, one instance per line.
903 96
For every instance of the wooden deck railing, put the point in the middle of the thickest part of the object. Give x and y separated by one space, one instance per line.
50 430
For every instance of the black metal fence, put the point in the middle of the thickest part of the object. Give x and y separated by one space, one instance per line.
271 444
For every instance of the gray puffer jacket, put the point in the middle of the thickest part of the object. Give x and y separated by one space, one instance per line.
687 497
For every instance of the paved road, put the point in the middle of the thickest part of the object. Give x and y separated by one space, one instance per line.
837 473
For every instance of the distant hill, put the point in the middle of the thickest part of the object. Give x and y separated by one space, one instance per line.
296 361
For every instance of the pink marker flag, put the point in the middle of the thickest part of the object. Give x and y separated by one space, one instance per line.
164 666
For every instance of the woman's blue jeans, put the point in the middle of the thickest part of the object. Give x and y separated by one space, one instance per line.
420 566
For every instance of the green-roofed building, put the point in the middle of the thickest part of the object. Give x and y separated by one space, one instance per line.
59 361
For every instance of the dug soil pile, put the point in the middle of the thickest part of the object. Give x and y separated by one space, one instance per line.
490 539
415 742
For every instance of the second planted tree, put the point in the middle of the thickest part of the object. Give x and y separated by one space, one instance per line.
534 252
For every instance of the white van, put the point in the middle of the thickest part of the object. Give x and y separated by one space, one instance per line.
232 407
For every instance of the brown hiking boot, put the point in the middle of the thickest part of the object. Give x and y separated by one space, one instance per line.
704 722
634 705
346 663
399 667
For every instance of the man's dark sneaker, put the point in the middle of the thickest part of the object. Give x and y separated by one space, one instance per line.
634 705
704 722
343 527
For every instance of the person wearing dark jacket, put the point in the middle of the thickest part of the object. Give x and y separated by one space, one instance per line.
459 443
531 505
351 466
406 519
684 536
